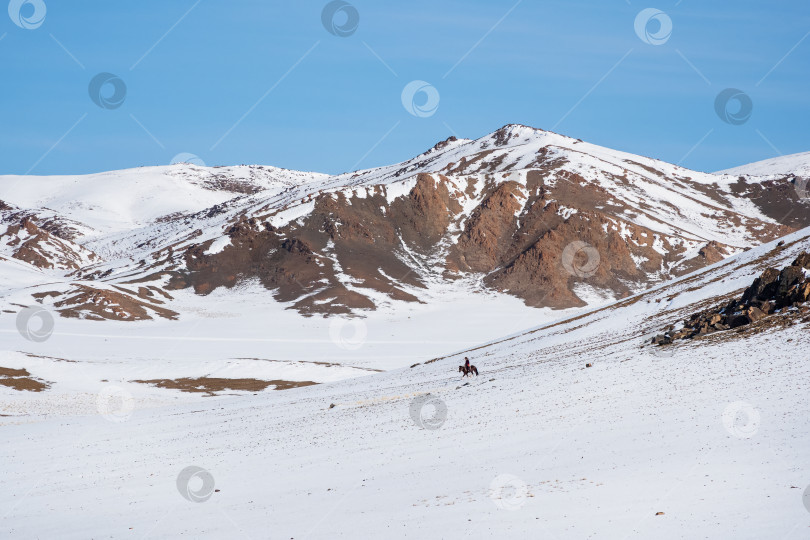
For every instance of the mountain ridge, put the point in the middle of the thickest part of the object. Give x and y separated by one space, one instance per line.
550 219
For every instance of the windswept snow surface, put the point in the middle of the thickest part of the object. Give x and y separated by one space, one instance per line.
798 164
705 440
117 201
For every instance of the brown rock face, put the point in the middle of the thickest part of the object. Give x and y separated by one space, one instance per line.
341 245
490 231
778 199
86 302
422 218
712 253
788 277
287 265
35 245
764 287
549 219
516 235
573 252
803 261
803 292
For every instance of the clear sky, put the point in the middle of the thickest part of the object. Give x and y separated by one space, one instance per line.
261 81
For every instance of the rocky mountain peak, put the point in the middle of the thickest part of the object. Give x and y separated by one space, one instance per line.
551 220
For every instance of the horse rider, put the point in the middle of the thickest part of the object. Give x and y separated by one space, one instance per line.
466 364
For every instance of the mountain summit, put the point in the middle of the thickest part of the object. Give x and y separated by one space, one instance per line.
554 221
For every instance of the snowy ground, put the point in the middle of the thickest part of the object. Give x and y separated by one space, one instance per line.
245 333
713 434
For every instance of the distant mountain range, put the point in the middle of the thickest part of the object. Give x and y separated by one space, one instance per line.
552 220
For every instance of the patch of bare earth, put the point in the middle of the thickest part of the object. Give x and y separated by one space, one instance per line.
21 380
212 385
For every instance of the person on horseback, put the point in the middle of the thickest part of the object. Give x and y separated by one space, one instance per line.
467 369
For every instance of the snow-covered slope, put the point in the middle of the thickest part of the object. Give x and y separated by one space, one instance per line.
779 187
797 164
122 200
706 440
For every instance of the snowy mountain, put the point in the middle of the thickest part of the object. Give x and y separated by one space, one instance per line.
795 164
779 186
706 438
550 220
665 399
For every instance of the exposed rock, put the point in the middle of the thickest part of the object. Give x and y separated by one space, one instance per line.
788 277
802 293
762 287
84 302
803 260
754 314
713 252
522 211
768 293
488 233
776 198
33 244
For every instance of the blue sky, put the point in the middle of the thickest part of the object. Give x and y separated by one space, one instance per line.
264 82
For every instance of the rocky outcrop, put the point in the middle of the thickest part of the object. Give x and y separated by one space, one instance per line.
97 304
26 241
319 262
489 232
785 198
572 252
423 217
769 294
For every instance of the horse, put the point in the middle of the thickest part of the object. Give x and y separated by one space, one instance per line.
467 371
